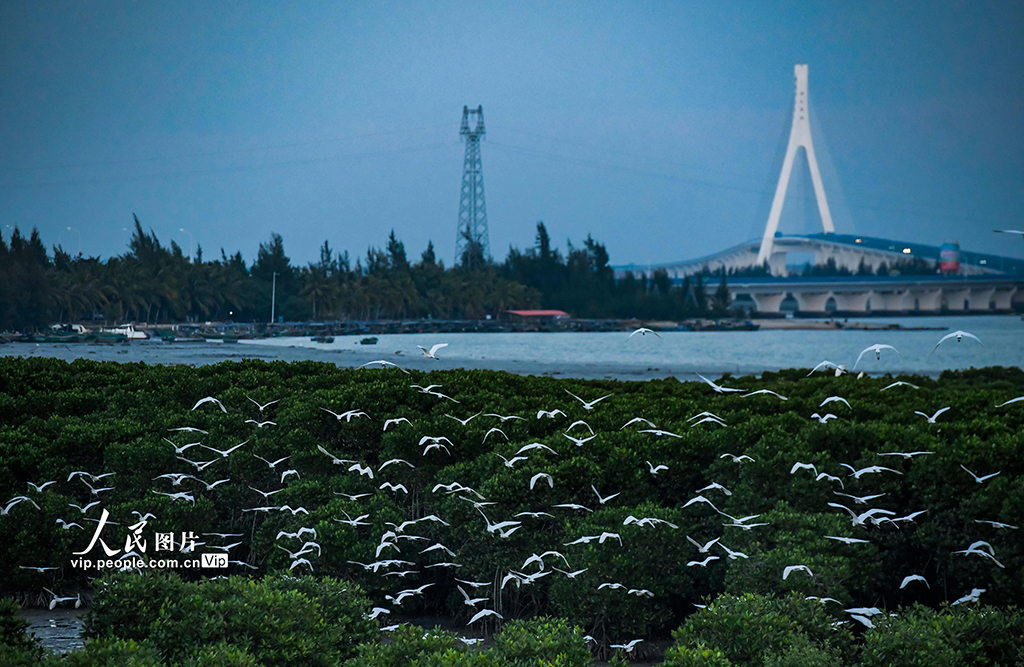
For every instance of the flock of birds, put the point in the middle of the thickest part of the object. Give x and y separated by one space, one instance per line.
394 546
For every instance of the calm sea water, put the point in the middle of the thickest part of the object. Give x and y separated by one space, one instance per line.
612 355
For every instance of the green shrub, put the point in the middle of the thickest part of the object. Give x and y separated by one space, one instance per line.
696 656
17 647
110 652
273 621
542 641
919 636
749 628
407 645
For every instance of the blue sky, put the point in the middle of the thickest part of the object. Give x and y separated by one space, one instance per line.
656 127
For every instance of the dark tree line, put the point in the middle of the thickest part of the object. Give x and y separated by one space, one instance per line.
154 283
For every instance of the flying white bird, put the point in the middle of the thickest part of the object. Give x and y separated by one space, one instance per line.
834 399
859 500
210 399
659 432
1012 400
265 405
534 445
348 415
394 487
392 461
396 421
539 476
870 470
803 466
877 349
996 524
958 335
272 464
901 383
362 470
905 455
831 478
190 429
1008 231
716 486
511 462
504 418
604 499
484 613
637 420
224 452
432 352
383 364
587 405
288 473
977 479
702 549
733 555
931 420
573 506
628 648
846 540
334 459
702 563
260 424
643 331
914 577
840 369
970 597
764 391
656 469
736 459
717 388
462 421
823 420
494 430
579 442
794 568
470 602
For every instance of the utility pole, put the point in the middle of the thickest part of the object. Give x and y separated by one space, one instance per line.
273 297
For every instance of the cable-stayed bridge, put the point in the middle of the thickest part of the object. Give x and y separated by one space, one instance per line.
964 281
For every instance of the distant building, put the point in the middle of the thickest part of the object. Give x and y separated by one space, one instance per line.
539 316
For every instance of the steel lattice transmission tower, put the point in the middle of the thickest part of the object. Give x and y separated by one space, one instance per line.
472 208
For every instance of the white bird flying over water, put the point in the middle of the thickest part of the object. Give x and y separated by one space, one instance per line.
643 331
959 335
432 352
877 349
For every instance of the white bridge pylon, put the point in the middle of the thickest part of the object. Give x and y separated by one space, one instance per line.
799 137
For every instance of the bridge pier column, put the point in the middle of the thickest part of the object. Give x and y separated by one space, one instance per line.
956 300
894 300
851 302
811 302
979 299
1004 298
924 300
768 302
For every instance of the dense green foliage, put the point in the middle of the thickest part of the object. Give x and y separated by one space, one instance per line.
56 418
273 620
153 283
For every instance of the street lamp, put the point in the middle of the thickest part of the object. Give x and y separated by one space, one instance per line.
182 229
